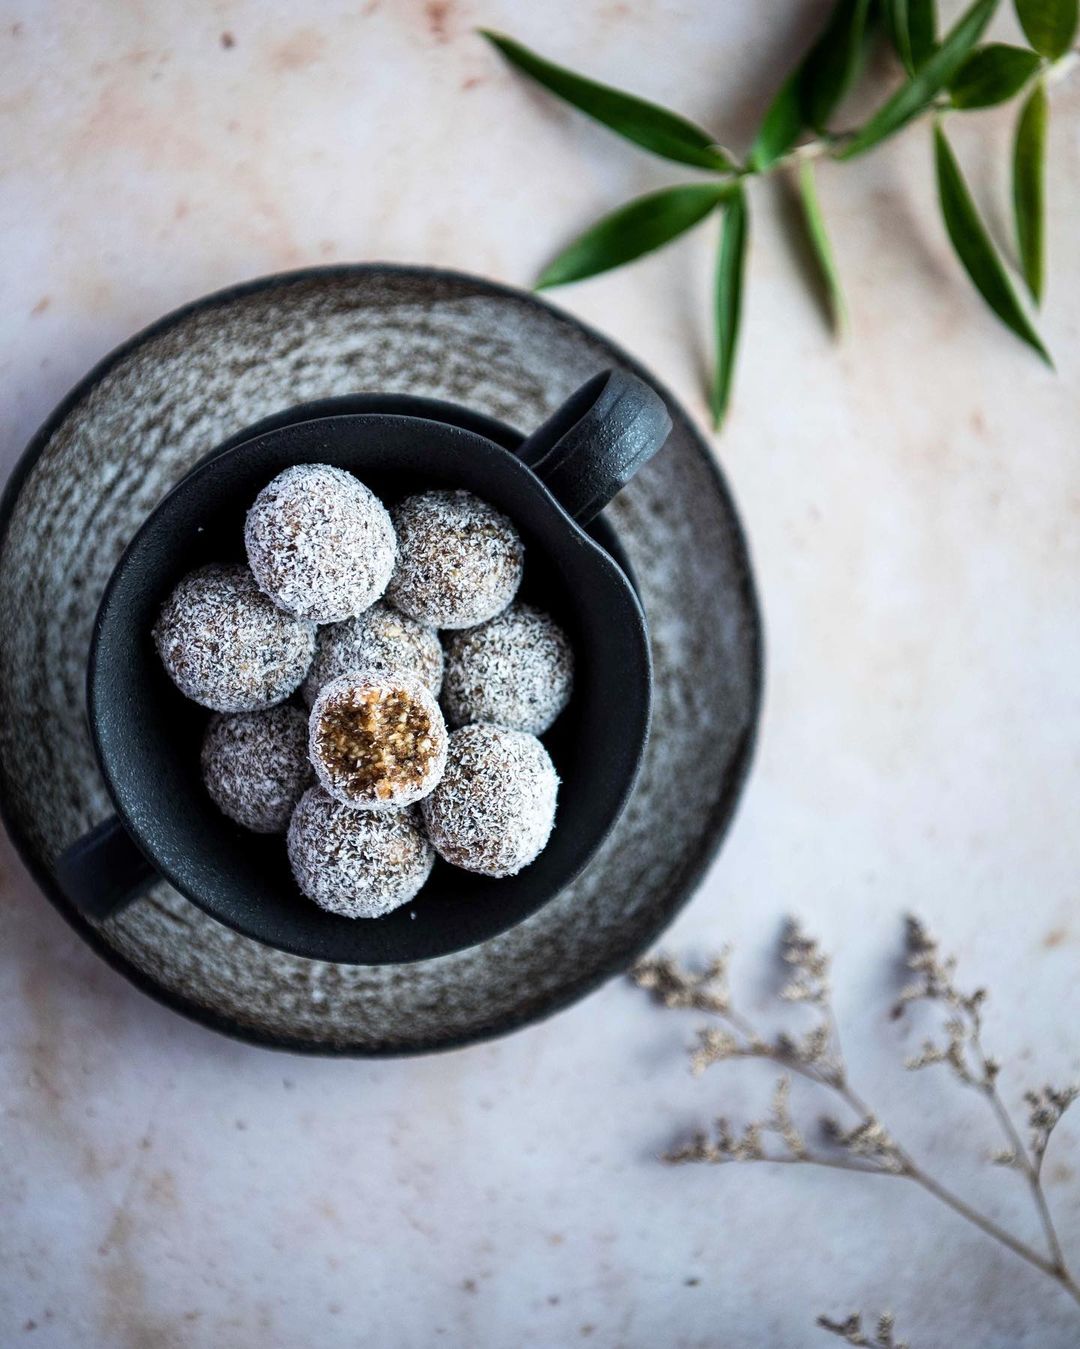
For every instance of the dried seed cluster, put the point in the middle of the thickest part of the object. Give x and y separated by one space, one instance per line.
861 1143
322 549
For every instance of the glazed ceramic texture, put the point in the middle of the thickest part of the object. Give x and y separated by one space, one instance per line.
145 417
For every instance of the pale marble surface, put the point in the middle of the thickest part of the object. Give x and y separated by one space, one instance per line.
913 504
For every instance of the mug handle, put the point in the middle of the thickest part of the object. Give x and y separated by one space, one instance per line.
594 444
103 871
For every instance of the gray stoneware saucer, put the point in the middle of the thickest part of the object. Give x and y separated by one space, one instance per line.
139 422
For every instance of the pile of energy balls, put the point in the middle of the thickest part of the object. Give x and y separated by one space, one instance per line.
406 745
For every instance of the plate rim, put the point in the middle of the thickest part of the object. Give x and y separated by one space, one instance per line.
683 886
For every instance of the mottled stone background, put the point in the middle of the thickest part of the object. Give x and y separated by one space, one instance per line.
913 504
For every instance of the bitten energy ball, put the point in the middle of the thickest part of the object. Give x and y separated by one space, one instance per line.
516 670
380 639
227 646
354 862
255 766
377 740
459 560
320 543
494 808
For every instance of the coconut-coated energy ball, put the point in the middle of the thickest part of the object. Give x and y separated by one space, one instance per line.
320 543
228 647
255 766
378 639
494 808
459 559
377 739
354 862
516 670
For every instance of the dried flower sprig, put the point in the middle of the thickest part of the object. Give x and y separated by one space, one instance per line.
942 76
850 1330
864 1144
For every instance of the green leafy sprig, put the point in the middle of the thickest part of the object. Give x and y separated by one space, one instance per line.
943 75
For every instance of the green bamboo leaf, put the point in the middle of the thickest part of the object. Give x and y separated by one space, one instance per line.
922 29
833 61
896 17
811 92
821 246
991 75
928 80
913 28
634 229
780 127
646 124
1029 189
730 264
1049 25
974 248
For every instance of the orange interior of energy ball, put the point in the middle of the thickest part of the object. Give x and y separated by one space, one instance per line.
376 742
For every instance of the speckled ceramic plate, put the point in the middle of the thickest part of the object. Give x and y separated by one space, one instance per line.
138 423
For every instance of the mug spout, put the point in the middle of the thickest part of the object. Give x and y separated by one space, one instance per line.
592 446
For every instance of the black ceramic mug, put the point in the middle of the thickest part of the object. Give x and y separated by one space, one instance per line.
147 736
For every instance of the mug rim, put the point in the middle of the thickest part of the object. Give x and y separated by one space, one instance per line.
214 459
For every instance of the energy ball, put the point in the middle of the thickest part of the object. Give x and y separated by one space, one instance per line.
380 639
493 810
516 670
459 560
319 543
228 647
353 862
255 766
377 739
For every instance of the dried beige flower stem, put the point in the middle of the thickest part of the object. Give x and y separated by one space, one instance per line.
868 1147
935 981
1032 1170
850 1330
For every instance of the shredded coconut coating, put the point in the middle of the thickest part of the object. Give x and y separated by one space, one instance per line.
377 740
228 647
459 559
493 810
353 862
379 639
320 543
516 670
255 766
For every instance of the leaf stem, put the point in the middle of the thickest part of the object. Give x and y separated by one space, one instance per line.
827 72
1062 68
832 143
